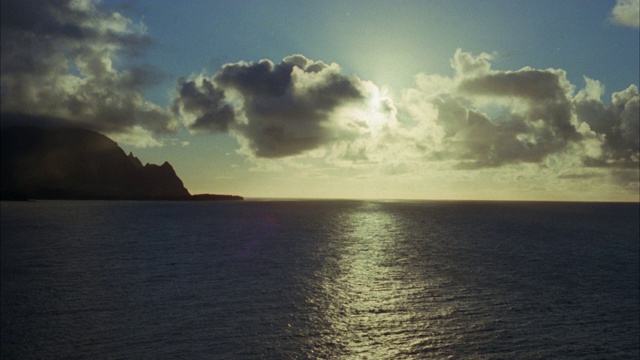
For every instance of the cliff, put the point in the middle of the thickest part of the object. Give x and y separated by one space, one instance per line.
71 163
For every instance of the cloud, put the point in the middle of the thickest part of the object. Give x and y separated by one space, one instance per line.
488 118
581 176
627 178
58 62
465 64
617 123
277 110
202 105
137 136
626 13
481 118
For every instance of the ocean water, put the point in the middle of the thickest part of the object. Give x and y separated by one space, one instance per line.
319 280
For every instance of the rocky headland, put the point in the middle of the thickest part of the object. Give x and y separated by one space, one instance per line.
74 163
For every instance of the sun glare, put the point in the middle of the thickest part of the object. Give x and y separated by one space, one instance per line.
374 114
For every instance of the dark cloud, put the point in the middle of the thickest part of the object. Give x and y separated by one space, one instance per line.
583 176
534 85
201 100
491 118
617 123
487 118
628 178
48 122
262 78
538 124
57 61
544 91
278 109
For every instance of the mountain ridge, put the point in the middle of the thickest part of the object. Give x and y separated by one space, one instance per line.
75 163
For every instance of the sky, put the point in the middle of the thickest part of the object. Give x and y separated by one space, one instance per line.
474 100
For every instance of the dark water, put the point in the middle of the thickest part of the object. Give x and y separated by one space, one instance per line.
319 279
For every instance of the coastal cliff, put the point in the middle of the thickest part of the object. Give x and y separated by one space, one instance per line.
73 163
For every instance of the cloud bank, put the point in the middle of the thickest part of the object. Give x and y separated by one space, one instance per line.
489 118
58 63
478 118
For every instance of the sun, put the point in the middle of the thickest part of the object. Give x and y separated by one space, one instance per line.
375 113
380 110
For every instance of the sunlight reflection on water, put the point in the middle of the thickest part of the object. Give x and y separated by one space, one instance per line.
370 310
326 280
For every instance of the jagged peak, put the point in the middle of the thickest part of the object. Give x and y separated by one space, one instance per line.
165 166
134 160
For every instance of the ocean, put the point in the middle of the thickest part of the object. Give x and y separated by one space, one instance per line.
319 280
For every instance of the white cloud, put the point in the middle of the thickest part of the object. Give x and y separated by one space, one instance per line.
136 136
626 13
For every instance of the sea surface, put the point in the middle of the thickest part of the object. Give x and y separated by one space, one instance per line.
319 280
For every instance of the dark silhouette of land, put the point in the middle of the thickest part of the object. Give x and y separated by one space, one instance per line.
73 163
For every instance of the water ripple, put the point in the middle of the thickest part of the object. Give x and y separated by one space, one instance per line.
329 280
